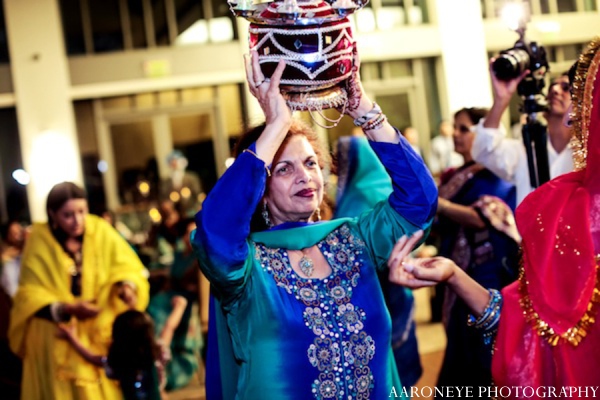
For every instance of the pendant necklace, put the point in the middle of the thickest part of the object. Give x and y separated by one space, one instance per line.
307 266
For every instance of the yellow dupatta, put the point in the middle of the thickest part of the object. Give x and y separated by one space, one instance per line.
51 366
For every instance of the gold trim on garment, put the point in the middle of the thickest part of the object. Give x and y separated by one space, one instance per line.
573 335
587 69
458 180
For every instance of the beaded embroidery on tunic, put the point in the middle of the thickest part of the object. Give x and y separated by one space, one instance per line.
341 350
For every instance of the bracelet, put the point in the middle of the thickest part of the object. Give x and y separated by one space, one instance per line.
491 314
58 313
374 123
376 110
489 320
255 155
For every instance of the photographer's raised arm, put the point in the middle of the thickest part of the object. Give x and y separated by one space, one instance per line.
502 91
491 147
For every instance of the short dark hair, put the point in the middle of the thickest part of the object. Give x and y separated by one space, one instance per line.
475 113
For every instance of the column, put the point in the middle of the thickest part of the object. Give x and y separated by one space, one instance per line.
107 154
45 112
464 55
163 143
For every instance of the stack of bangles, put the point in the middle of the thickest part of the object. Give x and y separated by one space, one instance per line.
488 321
372 120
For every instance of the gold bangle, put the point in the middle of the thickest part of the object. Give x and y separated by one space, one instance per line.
255 155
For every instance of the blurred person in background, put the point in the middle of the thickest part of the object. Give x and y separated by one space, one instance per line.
76 270
476 229
137 358
412 135
13 236
182 187
442 155
506 157
185 280
12 241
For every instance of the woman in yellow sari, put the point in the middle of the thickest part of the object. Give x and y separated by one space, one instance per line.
76 270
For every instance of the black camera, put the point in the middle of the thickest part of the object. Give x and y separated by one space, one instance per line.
512 62
524 55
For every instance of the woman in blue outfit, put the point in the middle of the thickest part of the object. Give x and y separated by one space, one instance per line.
302 303
478 232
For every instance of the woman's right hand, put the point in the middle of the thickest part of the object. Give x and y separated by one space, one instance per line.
502 90
267 92
82 309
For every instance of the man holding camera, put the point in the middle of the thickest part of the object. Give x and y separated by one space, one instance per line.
507 157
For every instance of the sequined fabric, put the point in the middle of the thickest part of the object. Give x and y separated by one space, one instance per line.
548 335
341 350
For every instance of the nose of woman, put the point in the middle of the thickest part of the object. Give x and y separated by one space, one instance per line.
303 175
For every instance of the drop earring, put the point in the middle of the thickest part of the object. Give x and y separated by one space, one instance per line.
265 215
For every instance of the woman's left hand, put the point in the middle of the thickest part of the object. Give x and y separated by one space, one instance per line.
353 84
266 90
417 272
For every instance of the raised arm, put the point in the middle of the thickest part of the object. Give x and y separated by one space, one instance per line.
503 91
414 194
491 147
278 116
223 224
364 111
179 304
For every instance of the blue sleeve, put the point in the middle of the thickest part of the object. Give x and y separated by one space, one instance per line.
414 194
223 224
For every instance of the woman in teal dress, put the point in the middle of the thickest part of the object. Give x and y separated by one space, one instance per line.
187 342
301 300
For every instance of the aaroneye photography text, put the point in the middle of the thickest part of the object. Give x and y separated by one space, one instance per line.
464 392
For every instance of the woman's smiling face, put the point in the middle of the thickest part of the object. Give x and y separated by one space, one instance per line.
295 189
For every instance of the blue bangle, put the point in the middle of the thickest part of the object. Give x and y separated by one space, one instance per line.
490 317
